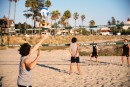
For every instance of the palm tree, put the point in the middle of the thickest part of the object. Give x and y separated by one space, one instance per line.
118 22
82 18
48 3
15 9
113 21
62 20
55 15
27 4
27 16
92 23
10 1
109 22
33 5
76 15
67 15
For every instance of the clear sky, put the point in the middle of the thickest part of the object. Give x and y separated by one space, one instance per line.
98 10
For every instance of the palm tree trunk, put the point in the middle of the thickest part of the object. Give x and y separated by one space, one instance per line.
51 22
14 11
26 22
9 12
82 24
56 29
26 25
75 23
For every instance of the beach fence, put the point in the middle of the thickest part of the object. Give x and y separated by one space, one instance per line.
104 48
81 44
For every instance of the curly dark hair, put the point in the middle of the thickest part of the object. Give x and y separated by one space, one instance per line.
24 49
74 39
125 39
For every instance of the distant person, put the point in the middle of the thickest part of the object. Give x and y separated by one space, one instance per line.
74 51
25 66
125 51
94 53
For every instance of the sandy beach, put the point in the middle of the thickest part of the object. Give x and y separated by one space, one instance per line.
53 66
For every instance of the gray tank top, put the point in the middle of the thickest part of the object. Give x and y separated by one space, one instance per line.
74 48
24 77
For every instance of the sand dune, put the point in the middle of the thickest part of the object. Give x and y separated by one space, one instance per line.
53 66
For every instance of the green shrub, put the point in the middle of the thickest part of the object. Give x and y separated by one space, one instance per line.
84 53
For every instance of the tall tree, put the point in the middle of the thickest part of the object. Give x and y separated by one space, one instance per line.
82 18
55 15
48 3
67 15
76 16
122 23
4 16
15 9
52 16
118 22
62 21
113 21
27 16
10 1
109 22
92 23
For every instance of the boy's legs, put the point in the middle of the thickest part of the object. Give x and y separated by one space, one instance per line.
122 60
91 58
72 61
96 56
78 64
128 61
78 67
70 68
96 60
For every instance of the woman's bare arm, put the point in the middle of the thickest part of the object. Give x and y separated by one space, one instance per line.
77 49
38 44
30 65
70 49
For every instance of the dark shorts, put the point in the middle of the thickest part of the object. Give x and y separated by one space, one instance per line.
73 60
94 55
23 86
125 54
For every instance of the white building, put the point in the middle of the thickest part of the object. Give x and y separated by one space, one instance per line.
105 31
128 22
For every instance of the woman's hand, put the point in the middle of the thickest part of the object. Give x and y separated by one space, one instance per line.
38 53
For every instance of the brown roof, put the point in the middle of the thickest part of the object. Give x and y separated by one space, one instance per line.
105 30
5 20
128 19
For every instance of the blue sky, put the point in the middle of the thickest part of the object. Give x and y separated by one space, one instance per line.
98 10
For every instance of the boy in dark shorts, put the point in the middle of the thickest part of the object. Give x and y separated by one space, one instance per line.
125 51
74 51
94 53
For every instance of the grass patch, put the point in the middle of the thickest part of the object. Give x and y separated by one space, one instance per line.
115 51
84 53
53 48
3 47
11 47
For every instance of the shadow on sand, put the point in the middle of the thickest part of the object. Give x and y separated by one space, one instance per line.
53 68
102 63
1 81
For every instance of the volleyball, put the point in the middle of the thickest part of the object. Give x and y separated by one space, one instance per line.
44 12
